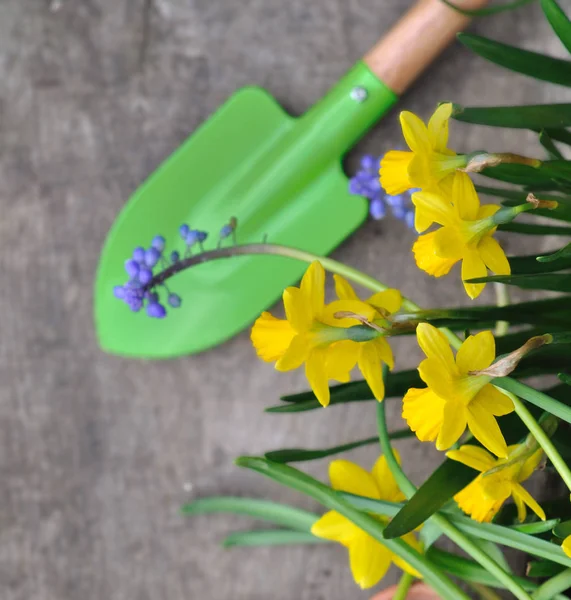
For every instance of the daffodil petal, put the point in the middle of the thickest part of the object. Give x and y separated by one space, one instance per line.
476 353
476 504
335 527
296 309
271 337
465 197
369 561
436 377
493 256
316 373
566 546
424 251
370 366
472 267
394 172
313 287
295 355
341 358
486 430
385 351
388 488
493 400
411 540
415 133
389 300
346 476
438 127
448 243
530 465
521 508
423 411
433 343
519 491
454 420
433 207
473 456
344 289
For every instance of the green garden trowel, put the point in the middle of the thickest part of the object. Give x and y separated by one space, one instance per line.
280 176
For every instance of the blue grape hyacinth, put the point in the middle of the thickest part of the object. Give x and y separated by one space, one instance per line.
148 268
366 183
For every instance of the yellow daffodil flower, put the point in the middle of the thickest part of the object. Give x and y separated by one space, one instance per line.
455 399
370 354
430 164
466 235
314 335
369 559
483 498
566 546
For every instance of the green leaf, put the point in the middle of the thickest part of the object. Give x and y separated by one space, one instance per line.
564 252
469 570
446 481
559 21
543 568
288 455
529 63
504 536
535 528
555 282
302 482
270 537
559 135
396 386
533 229
535 397
562 530
549 145
532 116
484 12
527 265
565 378
280 514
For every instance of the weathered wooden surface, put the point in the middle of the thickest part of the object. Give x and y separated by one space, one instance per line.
96 451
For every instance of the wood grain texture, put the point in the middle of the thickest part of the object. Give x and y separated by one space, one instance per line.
95 451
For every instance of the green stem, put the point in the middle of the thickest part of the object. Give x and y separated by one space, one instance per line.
408 489
555 585
543 401
404 586
542 439
502 299
333 266
305 484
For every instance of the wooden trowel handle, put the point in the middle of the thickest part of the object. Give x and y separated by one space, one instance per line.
416 40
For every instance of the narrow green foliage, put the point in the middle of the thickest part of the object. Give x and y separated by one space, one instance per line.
537 527
521 61
565 378
288 455
538 116
559 21
271 537
542 281
562 530
552 150
535 229
543 568
562 253
280 514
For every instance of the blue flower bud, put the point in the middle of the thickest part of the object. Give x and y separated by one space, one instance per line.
369 162
139 254
152 256
226 231
132 267
145 275
202 235
409 219
191 237
377 209
119 292
183 230
175 256
174 300
156 310
158 243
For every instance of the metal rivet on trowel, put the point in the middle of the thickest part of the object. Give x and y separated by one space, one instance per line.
359 94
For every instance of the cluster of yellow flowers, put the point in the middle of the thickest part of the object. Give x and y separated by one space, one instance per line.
447 198
330 339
